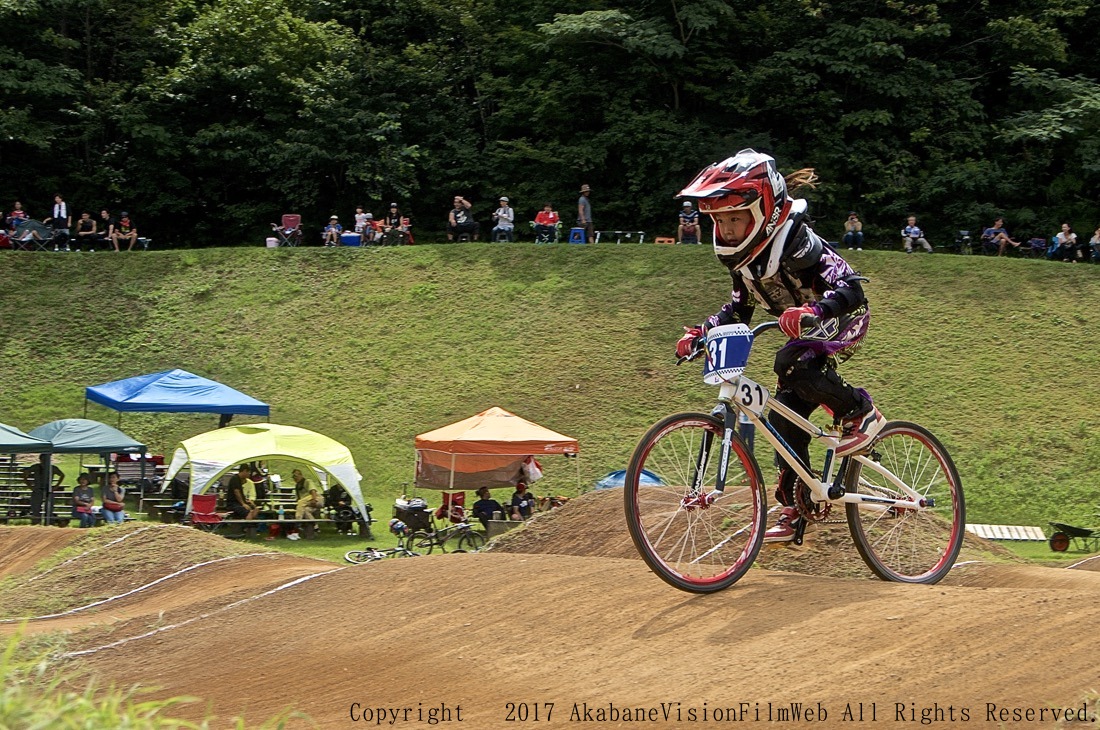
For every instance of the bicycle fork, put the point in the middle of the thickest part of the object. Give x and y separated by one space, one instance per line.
697 497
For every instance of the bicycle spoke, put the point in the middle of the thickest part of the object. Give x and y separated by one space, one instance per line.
692 536
915 545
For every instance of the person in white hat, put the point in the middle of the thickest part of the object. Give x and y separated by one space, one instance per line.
505 218
333 231
689 224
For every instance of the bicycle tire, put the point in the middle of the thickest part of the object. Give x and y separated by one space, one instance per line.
908 546
358 557
471 542
421 540
691 542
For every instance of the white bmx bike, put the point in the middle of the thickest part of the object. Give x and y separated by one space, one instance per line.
695 500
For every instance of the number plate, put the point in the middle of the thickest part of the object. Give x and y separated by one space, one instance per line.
728 349
751 396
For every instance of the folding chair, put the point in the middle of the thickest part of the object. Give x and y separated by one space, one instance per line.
30 235
203 512
289 231
453 507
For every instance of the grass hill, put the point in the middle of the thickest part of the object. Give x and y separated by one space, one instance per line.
996 356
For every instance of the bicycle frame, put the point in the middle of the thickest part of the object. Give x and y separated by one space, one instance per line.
744 396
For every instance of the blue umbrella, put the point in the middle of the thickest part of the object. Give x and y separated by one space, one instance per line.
618 479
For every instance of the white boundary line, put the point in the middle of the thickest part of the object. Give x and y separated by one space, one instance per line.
1082 562
85 553
133 591
154 632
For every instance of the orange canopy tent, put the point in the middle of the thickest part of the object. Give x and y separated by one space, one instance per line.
486 450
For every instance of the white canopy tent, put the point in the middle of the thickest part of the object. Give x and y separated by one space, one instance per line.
212 454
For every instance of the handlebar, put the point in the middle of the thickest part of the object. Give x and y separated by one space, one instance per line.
756 331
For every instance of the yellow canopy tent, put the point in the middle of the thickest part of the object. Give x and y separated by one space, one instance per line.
210 455
486 450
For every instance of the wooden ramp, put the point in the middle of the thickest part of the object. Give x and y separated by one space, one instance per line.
1008 532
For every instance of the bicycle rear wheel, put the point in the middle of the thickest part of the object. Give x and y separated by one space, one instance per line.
908 546
470 542
421 541
692 536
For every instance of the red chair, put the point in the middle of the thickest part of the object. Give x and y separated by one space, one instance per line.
203 512
289 230
453 507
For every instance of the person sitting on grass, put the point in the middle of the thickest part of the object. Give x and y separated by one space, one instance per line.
485 506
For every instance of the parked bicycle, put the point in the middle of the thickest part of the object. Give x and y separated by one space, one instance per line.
401 550
701 527
467 539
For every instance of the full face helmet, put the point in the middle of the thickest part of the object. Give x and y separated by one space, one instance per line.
748 181
399 528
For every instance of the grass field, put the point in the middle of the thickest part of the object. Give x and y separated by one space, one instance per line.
996 356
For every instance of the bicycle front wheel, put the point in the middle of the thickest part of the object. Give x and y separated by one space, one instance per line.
359 556
905 545
421 541
692 536
471 541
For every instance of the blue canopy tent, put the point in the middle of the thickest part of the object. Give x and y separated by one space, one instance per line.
618 479
174 391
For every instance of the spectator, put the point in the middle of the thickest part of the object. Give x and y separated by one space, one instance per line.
997 236
83 499
332 231
853 232
523 502
1094 243
911 234
339 501
309 504
239 504
486 508
361 221
87 232
395 227
584 213
113 500
689 224
309 497
372 230
124 230
460 222
546 224
61 221
106 225
16 216
1068 246
505 219
34 476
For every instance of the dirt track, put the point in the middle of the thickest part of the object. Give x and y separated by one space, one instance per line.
479 631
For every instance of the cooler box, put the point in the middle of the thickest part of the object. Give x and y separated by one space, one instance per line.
273 243
413 512
350 239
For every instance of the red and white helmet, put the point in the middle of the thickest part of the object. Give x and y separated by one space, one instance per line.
747 181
